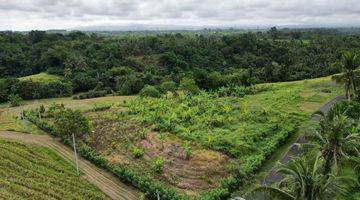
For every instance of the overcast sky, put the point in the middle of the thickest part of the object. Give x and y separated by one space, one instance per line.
55 14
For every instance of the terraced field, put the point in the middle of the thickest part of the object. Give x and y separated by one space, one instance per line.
221 134
33 172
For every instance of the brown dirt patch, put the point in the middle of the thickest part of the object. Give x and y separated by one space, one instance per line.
201 172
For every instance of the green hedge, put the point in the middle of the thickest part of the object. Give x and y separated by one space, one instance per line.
91 94
38 90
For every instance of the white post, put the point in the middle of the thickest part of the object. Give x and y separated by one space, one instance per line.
158 196
75 154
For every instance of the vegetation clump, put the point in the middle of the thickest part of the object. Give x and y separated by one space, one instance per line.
14 100
137 152
159 164
149 91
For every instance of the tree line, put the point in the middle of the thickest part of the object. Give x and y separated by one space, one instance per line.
125 64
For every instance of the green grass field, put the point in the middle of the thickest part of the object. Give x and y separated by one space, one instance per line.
41 77
33 172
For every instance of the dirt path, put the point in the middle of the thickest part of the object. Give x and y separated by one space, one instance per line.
273 177
105 181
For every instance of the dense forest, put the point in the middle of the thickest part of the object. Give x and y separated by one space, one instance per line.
126 63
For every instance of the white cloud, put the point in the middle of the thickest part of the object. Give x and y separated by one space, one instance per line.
47 14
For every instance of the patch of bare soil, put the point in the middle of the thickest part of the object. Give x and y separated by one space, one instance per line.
201 172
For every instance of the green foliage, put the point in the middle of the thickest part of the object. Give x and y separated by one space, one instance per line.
305 180
168 86
137 152
97 107
249 128
149 91
188 84
29 89
91 94
159 164
69 122
142 133
14 100
125 64
188 150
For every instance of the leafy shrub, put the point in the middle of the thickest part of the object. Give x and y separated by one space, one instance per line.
69 122
159 164
29 89
128 81
137 152
188 150
32 116
149 91
142 133
326 90
91 94
168 86
188 84
86 152
100 107
14 100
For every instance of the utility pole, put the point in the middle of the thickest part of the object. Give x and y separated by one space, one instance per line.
75 154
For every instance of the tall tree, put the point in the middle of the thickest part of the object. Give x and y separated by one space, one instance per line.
337 138
350 64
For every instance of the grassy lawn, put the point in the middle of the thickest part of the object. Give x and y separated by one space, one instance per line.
41 77
33 172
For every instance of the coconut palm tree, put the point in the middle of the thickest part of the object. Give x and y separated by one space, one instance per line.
337 138
350 64
304 180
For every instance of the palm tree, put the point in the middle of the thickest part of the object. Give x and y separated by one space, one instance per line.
337 138
350 64
304 181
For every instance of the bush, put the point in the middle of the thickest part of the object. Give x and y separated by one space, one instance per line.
159 164
168 86
14 100
188 150
100 107
138 153
91 94
149 91
33 117
142 133
29 89
69 122
188 84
